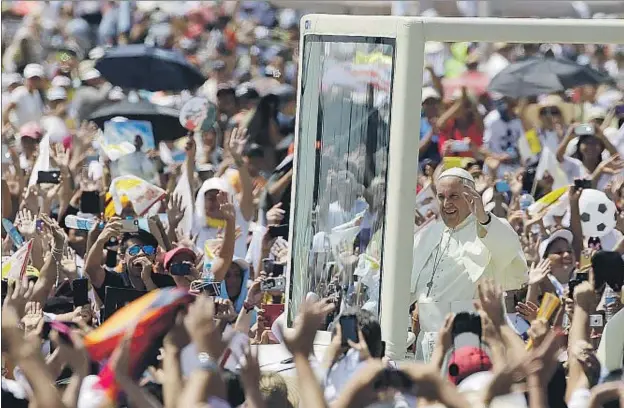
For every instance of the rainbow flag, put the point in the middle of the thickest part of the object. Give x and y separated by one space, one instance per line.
151 316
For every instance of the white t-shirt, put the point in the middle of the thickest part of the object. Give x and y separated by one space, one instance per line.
337 215
28 106
501 137
573 168
205 233
494 65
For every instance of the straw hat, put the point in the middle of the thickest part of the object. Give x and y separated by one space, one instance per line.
550 101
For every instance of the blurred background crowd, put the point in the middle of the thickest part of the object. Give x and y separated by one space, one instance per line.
147 163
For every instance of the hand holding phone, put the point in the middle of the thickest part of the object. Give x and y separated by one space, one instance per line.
273 284
582 184
349 330
460 146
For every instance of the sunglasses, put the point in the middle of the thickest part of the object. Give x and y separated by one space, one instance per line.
146 249
550 111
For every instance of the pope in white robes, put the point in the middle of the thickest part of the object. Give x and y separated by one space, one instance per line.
453 254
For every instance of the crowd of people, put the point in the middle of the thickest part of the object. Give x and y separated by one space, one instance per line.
157 276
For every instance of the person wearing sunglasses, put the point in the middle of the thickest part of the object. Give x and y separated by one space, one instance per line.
138 252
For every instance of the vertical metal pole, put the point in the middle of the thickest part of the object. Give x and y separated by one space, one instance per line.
401 188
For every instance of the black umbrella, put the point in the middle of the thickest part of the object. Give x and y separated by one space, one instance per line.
164 120
536 76
154 69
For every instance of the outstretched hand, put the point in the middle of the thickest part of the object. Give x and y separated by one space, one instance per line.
301 340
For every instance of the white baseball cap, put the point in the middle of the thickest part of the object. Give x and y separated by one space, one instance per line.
91 74
33 70
429 93
562 233
57 94
61 81
11 79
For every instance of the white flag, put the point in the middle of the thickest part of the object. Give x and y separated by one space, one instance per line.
548 162
15 266
183 190
43 160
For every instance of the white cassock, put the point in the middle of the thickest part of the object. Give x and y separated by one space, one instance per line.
448 264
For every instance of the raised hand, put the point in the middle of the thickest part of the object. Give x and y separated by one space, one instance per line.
226 208
311 315
17 296
475 203
613 165
112 229
250 369
202 328
25 223
538 331
254 294
238 140
275 215
280 252
58 235
527 310
175 210
68 263
33 317
585 297
75 354
177 337
224 309
191 149
361 346
491 301
539 272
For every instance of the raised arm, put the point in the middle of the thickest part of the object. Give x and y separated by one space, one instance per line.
48 274
585 300
238 140
95 259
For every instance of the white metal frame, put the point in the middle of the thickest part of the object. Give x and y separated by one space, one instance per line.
411 33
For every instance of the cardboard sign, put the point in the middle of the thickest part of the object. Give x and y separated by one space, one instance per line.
118 131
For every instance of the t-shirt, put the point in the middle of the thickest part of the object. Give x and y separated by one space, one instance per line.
502 137
451 132
432 151
116 280
205 233
28 106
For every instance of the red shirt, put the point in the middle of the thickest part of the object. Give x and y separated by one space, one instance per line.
450 132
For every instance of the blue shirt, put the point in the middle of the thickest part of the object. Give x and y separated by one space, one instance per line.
432 151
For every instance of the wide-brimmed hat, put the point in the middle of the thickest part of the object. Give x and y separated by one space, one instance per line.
550 101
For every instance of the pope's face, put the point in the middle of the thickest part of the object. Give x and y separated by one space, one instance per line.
453 206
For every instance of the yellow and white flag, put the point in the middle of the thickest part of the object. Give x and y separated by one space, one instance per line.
15 267
140 193
554 198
